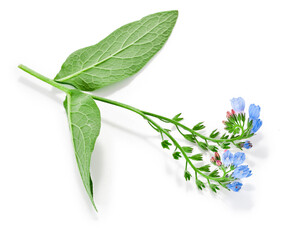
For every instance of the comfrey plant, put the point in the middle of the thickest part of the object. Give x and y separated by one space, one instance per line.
120 55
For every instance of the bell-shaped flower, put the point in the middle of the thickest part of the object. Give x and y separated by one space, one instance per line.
238 158
227 158
256 125
241 172
254 112
238 104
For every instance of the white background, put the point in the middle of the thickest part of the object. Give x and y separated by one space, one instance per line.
218 50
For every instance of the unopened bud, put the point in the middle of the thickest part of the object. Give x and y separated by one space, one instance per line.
212 159
218 163
228 114
217 156
246 145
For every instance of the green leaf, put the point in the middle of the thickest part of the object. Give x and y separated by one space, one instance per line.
188 149
187 175
239 145
177 118
249 124
120 55
190 137
214 133
214 187
225 145
197 157
204 168
224 136
198 126
200 184
236 131
203 145
213 148
177 155
214 173
84 123
243 117
167 130
165 144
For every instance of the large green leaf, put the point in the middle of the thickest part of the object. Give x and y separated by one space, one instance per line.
120 55
84 122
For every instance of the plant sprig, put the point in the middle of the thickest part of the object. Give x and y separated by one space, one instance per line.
120 55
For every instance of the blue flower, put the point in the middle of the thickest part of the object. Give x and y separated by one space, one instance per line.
241 172
254 112
256 125
235 186
247 145
238 104
227 158
238 159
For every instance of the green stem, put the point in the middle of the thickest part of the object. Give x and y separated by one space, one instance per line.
177 145
192 131
44 79
141 113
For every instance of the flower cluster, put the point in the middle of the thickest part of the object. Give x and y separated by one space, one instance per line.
235 122
223 171
233 162
238 105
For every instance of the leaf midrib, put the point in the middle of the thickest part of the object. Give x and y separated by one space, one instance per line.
117 52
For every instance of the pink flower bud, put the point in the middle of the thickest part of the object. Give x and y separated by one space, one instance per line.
228 114
212 159
217 156
218 163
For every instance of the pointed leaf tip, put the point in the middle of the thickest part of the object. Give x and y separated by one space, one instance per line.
84 122
120 55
